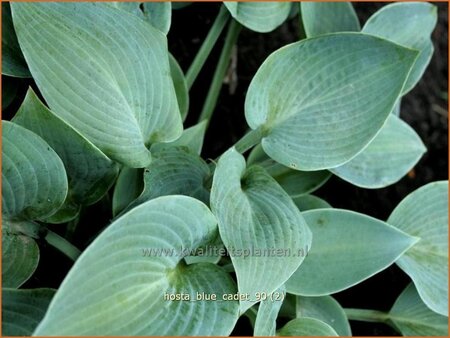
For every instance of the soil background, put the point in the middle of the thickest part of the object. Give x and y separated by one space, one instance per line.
424 108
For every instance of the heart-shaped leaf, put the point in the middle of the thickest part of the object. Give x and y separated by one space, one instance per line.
390 156
294 182
20 256
325 309
174 171
309 202
103 71
34 181
320 101
424 213
13 63
413 318
409 24
120 284
261 17
265 323
259 224
328 17
307 327
90 172
22 310
158 14
348 248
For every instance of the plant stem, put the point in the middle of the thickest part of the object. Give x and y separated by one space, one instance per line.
207 46
249 140
62 245
219 74
366 315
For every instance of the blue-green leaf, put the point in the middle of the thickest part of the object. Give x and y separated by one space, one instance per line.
257 155
413 318
181 88
13 63
424 214
295 10
206 255
34 181
325 309
261 17
347 248
20 255
89 171
105 72
118 287
22 310
191 138
175 171
309 202
259 224
129 185
328 17
265 323
320 101
397 108
132 7
158 14
390 156
409 24
306 327
294 182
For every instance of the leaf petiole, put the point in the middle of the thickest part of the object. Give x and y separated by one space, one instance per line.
62 245
207 46
366 315
249 140
221 70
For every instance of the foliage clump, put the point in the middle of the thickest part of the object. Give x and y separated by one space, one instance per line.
194 244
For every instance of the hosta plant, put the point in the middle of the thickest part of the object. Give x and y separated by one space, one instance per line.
193 245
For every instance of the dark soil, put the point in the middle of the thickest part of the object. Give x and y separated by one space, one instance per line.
425 109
